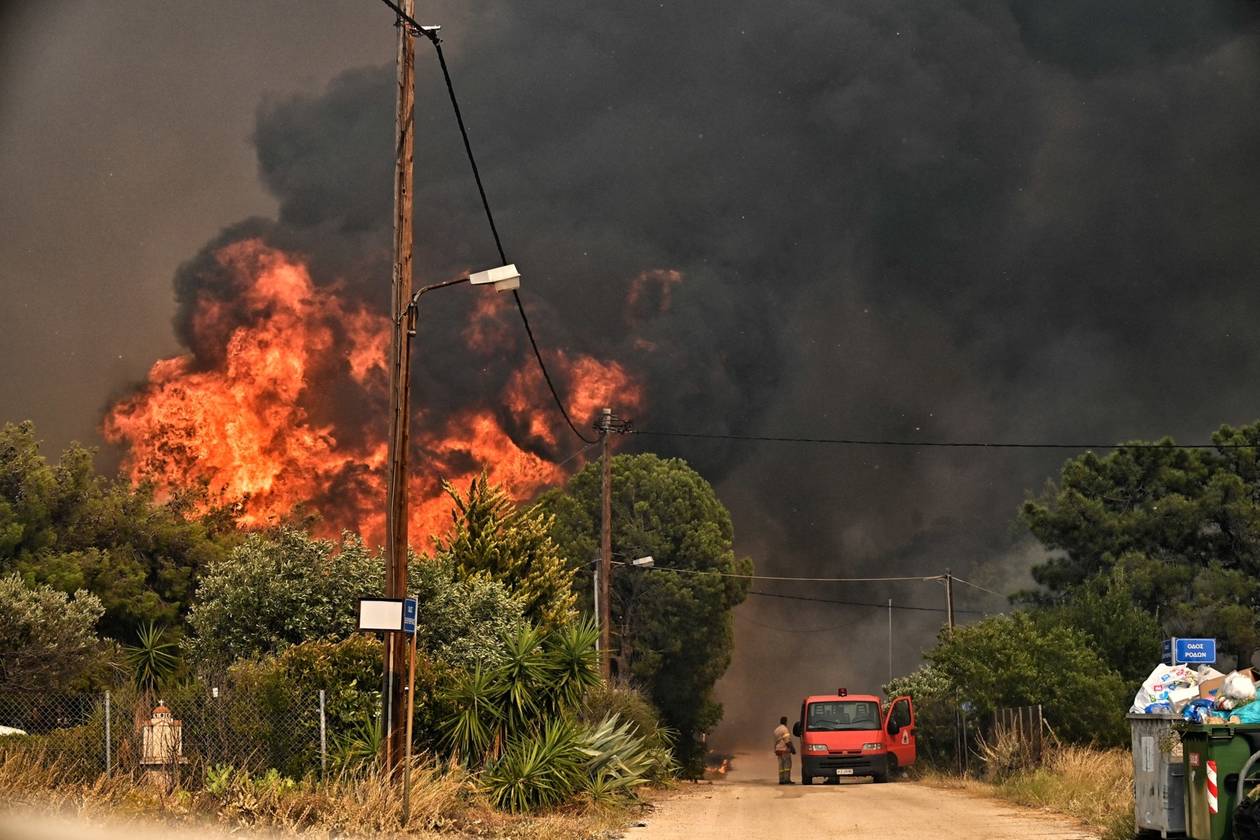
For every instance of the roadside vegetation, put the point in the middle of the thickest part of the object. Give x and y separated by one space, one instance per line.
1092 785
444 800
515 731
1140 544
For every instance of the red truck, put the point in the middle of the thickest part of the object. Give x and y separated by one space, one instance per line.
854 735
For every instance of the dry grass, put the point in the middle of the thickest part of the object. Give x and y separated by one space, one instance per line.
444 802
1091 785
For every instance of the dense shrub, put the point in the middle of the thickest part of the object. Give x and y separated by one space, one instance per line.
1012 660
280 590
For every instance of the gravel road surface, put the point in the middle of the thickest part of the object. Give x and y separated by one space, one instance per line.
751 804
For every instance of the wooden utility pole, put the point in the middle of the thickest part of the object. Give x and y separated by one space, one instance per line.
960 725
605 549
890 641
400 385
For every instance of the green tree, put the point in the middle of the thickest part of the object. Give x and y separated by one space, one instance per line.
71 528
461 622
1182 527
47 640
489 534
674 627
1013 660
936 704
1127 637
278 590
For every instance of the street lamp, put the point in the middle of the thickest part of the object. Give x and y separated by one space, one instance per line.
504 278
645 562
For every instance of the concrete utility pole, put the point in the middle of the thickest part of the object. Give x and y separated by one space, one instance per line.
400 385
949 600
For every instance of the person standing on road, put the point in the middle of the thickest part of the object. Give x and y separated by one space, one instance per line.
784 749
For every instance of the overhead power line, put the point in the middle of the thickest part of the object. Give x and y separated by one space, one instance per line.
978 586
884 606
677 570
430 32
935 444
777 629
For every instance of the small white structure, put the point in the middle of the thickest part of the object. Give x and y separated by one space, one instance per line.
162 747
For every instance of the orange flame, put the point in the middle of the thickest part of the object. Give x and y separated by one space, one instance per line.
252 425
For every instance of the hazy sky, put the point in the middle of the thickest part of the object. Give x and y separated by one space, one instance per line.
973 219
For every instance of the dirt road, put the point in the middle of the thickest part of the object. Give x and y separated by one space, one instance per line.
751 804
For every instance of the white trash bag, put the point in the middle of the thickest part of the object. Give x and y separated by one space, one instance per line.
1161 683
1239 688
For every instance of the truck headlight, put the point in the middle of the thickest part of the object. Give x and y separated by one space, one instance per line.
816 748
873 747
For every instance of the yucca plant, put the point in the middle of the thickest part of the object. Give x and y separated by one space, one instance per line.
360 745
528 675
472 727
620 760
575 662
541 769
154 660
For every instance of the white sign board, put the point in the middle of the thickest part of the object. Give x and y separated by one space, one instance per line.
380 614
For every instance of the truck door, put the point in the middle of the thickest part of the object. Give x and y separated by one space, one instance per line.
899 734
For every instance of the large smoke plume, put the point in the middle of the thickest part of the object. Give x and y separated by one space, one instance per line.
962 220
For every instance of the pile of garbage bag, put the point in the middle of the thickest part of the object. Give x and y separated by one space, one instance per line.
1199 694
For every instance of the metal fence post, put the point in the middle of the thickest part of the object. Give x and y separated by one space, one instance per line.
323 736
108 744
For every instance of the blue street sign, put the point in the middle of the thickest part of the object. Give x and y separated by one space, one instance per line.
409 616
1189 651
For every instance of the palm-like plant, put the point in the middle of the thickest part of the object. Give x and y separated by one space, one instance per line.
472 726
528 675
358 746
538 770
619 760
154 660
575 663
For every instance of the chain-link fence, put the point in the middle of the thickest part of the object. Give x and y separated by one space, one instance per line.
191 727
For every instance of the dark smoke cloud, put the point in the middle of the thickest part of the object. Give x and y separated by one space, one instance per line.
971 220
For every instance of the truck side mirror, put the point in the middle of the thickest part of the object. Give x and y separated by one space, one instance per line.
893 727
796 729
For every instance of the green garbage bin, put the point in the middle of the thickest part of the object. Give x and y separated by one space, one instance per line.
1214 755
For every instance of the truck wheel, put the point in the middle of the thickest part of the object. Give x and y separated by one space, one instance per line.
879 778
894 772
806 780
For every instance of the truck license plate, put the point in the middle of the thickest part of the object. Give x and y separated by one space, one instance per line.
844 771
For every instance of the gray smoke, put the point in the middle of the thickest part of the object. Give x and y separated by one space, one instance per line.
962 220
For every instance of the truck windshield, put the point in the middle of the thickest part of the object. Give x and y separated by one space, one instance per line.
837 716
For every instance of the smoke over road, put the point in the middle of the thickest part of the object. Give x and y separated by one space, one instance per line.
879 218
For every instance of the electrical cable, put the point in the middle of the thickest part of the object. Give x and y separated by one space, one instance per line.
938 444
978 586
431 34
498 242
586 448
677 570
794 629
907 607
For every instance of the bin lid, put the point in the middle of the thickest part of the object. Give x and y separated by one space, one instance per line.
1159 716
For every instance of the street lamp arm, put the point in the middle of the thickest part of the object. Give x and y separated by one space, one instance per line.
415 298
